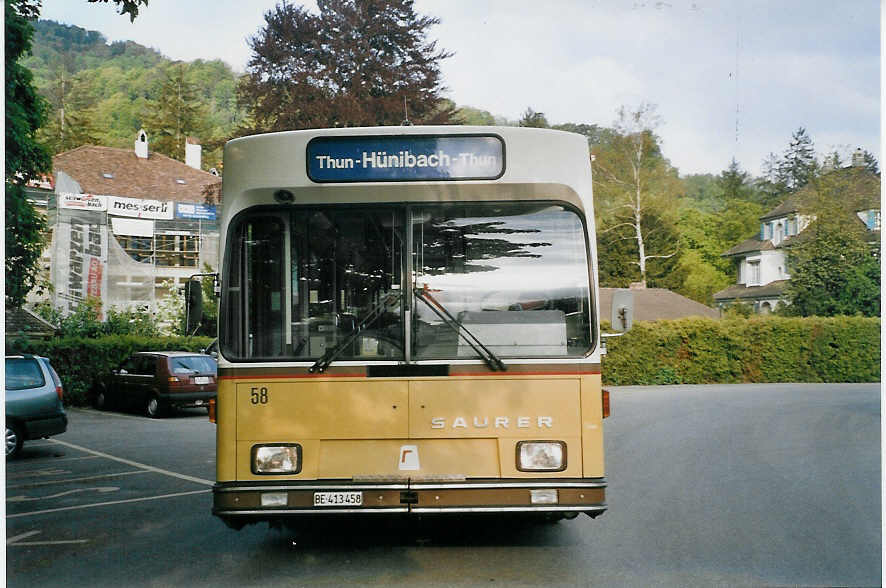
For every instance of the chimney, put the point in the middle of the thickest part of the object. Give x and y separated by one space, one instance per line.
192 152
858 158
141 144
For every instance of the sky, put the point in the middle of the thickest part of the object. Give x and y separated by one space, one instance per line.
730 79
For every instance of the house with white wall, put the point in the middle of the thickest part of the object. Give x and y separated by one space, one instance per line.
760 261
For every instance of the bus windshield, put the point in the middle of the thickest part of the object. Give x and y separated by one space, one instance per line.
302 281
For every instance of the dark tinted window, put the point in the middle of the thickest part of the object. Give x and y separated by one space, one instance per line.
23 373
129 366
146 365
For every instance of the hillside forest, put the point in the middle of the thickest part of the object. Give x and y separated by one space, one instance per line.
655 225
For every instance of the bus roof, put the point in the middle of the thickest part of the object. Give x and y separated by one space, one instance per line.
315 164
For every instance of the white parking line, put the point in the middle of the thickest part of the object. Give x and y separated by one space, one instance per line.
136 464
52 459
50 542
100 490
37 473
14 541
82 506
22 536
83 479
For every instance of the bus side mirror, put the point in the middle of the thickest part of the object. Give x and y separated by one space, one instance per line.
622 310
193 305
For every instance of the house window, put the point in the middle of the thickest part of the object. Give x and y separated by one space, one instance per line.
779 233
753 273
870 218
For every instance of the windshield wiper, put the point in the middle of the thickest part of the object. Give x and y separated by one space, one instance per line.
492 360
376 311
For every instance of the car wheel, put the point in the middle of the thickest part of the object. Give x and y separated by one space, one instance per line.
154 409
14 440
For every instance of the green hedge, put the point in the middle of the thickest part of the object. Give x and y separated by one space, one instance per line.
687 351
81 363
759 349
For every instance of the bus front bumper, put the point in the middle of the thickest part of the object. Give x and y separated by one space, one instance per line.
238 503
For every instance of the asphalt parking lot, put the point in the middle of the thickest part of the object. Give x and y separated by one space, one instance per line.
733 485
58 480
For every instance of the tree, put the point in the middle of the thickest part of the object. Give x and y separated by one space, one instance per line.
736 184
534 119
475 116
870 163
596 134
71 122
834 268
704 236
833 272
175 114
25 157
129 7
356 63
636 189
797 165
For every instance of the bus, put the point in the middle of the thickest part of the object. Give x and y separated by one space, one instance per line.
408 325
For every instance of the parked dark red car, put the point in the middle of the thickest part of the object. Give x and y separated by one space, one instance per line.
157 381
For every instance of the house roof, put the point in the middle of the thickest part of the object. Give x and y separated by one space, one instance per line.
742 292
857 187
21 321
657 303
784 209
158 177
751 245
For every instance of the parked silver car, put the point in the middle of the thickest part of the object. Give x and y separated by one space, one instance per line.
34 408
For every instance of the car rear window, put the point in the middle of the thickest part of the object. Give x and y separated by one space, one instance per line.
22 373
190 364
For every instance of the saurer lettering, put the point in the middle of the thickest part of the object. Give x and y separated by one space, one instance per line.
498 422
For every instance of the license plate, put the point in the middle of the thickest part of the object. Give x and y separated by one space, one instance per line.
201 380
338 499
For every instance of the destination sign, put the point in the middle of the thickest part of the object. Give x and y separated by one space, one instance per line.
405 158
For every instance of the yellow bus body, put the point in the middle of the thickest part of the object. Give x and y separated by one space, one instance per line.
415 441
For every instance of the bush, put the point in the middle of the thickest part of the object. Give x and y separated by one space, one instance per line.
735 350
86 320
82 362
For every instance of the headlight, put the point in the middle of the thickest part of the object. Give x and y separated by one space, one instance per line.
541 456
276 459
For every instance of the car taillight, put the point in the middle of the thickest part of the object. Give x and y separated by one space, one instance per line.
174 381
60 391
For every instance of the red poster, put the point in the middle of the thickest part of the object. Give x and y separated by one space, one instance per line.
94 284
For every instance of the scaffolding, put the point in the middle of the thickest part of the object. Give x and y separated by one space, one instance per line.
126 263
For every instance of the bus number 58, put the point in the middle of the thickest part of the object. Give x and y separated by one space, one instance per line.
259 395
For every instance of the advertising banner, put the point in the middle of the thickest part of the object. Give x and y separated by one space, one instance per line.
138 208
405 158
81 256
188 210
83 202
